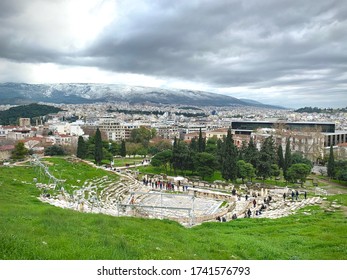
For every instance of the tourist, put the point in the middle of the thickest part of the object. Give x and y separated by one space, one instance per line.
254 203
296 195
234 217
293 195
249 213
305 194
284 196
246 196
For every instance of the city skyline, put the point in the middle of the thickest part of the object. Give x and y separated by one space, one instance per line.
288 53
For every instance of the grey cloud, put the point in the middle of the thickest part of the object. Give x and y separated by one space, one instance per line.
220 43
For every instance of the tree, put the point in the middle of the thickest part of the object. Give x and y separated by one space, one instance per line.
193 146
162 159
159 145
133 148
123 150
204 164
54 150
81 148
245 170
181 156
275 170
341 170
19 151
287 159
229 159
142 135
211 145
298 171
98 152
242 150
297 157
331 163
267 157
251 154
201 142
280 156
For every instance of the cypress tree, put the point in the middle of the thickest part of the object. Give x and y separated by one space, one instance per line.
81 148
123 150
229 160
267 157
201 143
251 154
331 163
193 145
98 154
280 156
287 159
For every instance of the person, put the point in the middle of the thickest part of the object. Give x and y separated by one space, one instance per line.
218 219
284 196
234 216
296 195
249 213
293 195
246 196
254 202
224 219
305 194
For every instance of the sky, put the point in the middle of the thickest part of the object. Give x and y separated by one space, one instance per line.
291 53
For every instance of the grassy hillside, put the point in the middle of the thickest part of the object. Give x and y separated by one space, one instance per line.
30 229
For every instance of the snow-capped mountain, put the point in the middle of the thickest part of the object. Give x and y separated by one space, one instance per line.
20 93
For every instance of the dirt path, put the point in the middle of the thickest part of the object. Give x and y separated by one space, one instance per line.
332 187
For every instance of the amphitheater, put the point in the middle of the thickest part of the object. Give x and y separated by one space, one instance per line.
187 202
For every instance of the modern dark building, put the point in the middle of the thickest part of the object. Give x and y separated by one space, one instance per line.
245 127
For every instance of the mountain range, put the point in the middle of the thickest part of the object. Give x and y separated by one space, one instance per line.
75 93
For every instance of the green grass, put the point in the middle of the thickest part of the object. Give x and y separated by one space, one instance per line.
74 173
30 229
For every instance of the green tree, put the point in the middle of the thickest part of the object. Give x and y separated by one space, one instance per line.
142 135
275 170
266 158
201 142
251 154
297 157
54 150
245 170
204 164
19 151
229 159
159 146
341 170
123 150
331 163
98 152
298 171
242 150
287 159
193 146
162 159
133 148
81 148
114 148
181 156
280 156
211 146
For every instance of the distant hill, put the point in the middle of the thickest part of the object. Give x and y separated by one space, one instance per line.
19 93
320 110
11 116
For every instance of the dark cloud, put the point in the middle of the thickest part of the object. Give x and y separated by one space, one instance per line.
256 44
